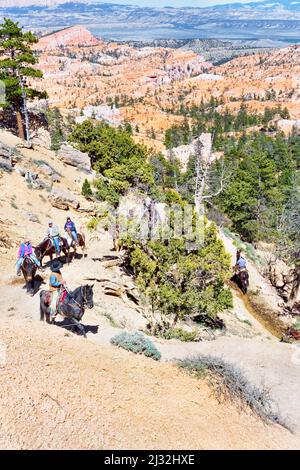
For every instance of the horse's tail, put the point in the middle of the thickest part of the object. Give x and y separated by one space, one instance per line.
42 312
83 240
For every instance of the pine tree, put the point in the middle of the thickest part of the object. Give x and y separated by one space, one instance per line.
86 189
17 62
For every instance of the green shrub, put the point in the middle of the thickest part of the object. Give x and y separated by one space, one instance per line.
182 335
120 163
230 384
93 224
137 343
177 282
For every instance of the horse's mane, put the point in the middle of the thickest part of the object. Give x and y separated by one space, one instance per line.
41 243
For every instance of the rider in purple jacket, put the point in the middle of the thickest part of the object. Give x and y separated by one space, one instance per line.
71 229
26 250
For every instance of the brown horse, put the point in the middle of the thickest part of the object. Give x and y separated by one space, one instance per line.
47 248
81 243
241 279
29 269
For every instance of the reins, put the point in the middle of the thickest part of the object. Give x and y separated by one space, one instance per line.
77 303
39 247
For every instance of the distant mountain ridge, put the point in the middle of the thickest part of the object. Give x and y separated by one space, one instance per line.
271 20
73 36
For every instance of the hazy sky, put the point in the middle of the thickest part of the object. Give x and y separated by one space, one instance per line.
177 3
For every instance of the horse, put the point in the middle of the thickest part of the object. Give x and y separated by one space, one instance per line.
47 248
242 280
81 243
29 269
72 307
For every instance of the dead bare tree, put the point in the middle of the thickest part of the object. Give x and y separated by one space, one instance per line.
203 167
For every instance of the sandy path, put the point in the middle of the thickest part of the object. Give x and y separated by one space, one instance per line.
65 392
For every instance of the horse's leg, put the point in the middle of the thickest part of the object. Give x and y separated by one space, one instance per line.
48 320
66 252
79 325
32 286
42 312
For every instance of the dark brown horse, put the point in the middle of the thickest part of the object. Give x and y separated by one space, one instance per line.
47 248
241 279
29 269
72 307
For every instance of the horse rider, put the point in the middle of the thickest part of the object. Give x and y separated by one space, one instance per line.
71 232
56 283
241 263
25 249
53 234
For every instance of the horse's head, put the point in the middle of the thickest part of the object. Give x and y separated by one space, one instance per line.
89 296
38 252
28 268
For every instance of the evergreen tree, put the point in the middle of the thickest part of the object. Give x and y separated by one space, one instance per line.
86 189
17 62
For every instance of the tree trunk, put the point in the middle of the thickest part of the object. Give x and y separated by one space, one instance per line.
20 124
296 284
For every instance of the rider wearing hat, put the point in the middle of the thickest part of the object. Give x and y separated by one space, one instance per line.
53 234
241 263
56 283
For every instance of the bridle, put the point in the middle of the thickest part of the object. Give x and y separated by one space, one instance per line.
46 248
85 301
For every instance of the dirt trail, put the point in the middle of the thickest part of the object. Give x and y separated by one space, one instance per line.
263 358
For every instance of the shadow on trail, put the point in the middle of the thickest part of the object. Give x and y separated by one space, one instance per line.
38 282
106 258
68 326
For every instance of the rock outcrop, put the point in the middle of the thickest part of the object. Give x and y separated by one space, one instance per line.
74 157
288 126
63 200
42 138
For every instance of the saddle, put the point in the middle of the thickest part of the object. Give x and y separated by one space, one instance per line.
61 298
243 270
52 242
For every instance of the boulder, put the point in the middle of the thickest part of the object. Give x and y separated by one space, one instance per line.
31 216
49 171
6 162
288 126
73 157
20 171
39 184
55 178
30 177
42 138
63 200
